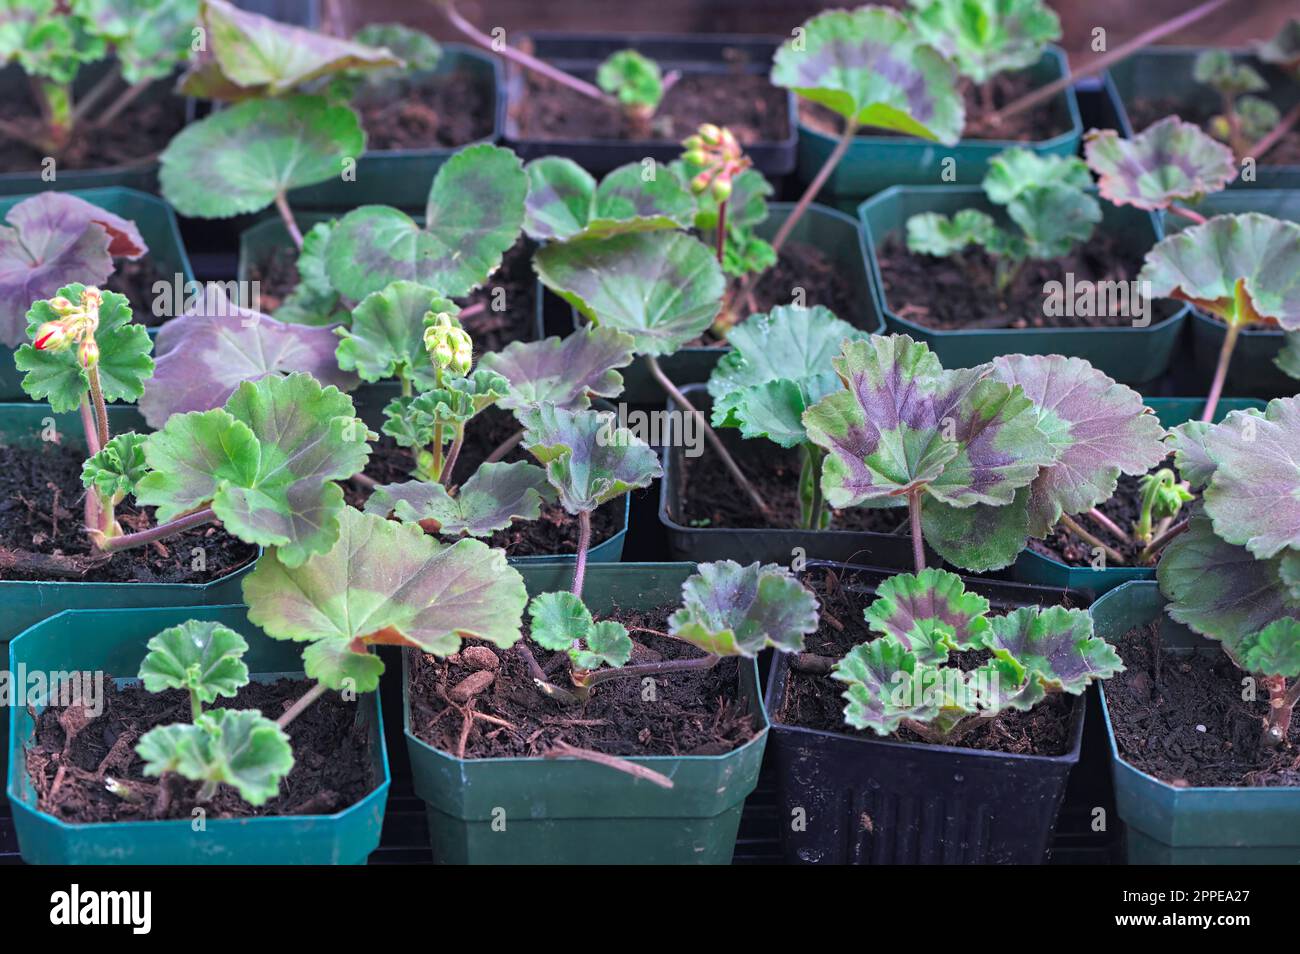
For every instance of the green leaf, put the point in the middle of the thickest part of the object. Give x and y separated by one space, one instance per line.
565 203
494 497
560 198
201 657
872 67
987 37
566 372
418 51
58 377
1274 650
1045 196
929 613
1220 69
386 582
1170 161
887 684
1055 645
45 41
932 233
608 644
239 159
662 288
733 610
149 37
588 460
411 421
1190 456
558 620
474 214
386 338
240 748
313 300
117 468
634 79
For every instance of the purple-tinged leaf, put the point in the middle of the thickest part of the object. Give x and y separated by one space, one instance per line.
930 613
733 610
887 685
1056 645
564 201
588 459
495 496
1170 161
565 372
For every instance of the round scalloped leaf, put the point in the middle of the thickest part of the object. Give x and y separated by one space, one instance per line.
240 159
149 37
633 78
558 620
205 354
1254 496
386 336
1220 590
474 214
495 496
1187 440
58 377
560 197
117 468
733 610
930 613
566 372
1274 650
387 582
199 656
886 685
564 201
608 644
1239 267
1056 645
237 747
873 68
987 37
662 288
313 300
588 460
978 538
1170 161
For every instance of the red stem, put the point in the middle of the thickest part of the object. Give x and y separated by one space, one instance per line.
188 522
1221 372
814 187
722 229
584 544
918 542
1194 217
290 223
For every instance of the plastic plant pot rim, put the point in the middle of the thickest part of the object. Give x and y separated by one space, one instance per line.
1221 329
1052 53
593 571
1280 792
16 765
878 283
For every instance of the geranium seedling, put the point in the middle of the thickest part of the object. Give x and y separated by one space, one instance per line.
565 202
1245 118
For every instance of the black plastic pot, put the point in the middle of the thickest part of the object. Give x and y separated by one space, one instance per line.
859 799
580 54
775 545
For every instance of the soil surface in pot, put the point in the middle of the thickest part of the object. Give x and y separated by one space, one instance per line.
709 498
73 753
491 330
1036 123
42 534
135 137
554 532
440 111
136 281
959 293
1180 717
751 107
695 712
815 701
1143 112
1123 507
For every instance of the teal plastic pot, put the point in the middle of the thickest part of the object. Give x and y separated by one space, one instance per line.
873 163
1165 72
1033 567
1253 370
1189 826
566 811
113 641
159 229
26 602
401 177
833 232
1129 355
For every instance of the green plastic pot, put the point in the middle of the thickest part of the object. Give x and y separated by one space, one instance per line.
567 811
28 602
113 641
401 177
1129 355
831 231
1184 826
159 229
1253 370
873 163
1033 567
1162 72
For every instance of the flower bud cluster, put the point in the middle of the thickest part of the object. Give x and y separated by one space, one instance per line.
716 152
76 325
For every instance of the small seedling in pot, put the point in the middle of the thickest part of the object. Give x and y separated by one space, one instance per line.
1044 196
1244 118
727 610
907 678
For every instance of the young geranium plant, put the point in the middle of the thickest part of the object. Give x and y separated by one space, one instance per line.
1232 569
1243 270
908 679
1244 118
1045 197
727 610
565 202
53 41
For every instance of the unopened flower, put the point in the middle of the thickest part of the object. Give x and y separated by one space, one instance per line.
448 344
88 353
53 336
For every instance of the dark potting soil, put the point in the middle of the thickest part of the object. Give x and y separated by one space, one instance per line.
960 292
136 280
136 136
1123 507
42 534
446 110
277 274
710 498
1180 717
746 103
554 532
1036 123
815 701
74 753
694 712
1144 111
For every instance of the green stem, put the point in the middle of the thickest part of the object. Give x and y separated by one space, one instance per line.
405 379
196 707
811 501
1161 480
97 402
436 450
450 464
